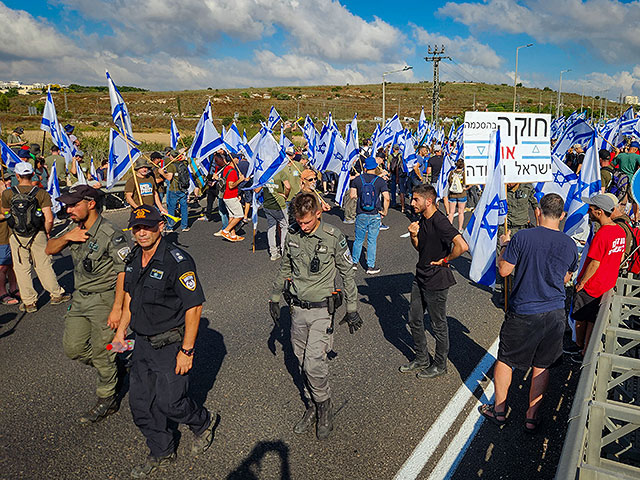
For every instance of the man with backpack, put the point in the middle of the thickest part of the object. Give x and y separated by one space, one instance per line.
367 189
613 180
177 173
27 209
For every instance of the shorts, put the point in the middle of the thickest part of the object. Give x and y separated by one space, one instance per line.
246 196
5 255
404 184
234 207
585 307
531 340
457 200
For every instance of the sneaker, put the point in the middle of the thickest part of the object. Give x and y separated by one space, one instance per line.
235 238
577 358
571 348
355 266
226 235
218 234
58 299
152 464
373 270
202 442
349 222
383 227
201 217
186 229
29 308
275 257
414 366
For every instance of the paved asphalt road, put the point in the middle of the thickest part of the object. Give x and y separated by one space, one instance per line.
246 373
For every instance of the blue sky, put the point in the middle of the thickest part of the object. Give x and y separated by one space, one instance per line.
164 44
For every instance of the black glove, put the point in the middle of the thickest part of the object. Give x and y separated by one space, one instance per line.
353 320
274 310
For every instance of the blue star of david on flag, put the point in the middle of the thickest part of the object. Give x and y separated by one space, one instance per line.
501 207
259 163
322 148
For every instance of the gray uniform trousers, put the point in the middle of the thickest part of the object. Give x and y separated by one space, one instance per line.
311 343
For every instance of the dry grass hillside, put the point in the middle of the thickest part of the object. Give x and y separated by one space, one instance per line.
151 111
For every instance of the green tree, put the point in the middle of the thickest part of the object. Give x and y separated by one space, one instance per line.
4 103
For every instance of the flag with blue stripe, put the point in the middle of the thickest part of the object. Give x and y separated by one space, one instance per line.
119 110
269 159
579 132
59 137
274 118
448 166
482 230
175 135
588 184
9 157
350 156
121 156
232 139
53 189
206 140
563 180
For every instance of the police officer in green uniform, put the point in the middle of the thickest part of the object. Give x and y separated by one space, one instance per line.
162 304
312 254
98 250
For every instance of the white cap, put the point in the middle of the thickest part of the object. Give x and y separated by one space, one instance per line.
24 168
290 150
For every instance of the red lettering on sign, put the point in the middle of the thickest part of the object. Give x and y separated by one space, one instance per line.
508 152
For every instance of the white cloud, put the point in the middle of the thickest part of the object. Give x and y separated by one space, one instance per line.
605 27
464 50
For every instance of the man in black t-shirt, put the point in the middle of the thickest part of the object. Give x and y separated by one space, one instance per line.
432 236
435 165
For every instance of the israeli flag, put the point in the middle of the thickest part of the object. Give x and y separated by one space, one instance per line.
389 133
588 184
563 180
53 189
325 148
9 157
423 127
482 231
251 149
351 155
119 110
311 136
175 135
274 118
628 127
232 139
59 137
121 156
256 203
94 174
409 157
284 141
206 140
269 159
579 132
82 180
448 166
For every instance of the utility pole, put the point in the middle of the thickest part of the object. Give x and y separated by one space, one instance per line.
474 101
435 55
540 103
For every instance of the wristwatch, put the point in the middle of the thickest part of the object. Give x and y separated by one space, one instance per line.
188 353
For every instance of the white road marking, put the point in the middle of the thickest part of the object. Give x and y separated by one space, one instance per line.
454 454
423 451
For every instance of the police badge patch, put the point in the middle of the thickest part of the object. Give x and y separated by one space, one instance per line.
123 252
188 279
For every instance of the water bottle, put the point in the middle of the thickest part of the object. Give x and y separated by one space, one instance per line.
119 348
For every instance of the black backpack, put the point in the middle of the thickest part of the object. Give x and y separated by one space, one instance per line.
619 183
183 176
25 215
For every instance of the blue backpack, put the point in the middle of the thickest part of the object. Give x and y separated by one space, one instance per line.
368 197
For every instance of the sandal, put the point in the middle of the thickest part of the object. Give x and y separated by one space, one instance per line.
489 412
15 293
8 299
533 421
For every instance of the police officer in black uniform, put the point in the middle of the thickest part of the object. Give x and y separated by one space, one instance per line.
163 304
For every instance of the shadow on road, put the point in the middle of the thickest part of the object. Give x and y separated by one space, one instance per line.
386 294
251 467
211 352
6 318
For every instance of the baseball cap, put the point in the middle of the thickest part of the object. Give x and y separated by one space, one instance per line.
635 144
602 201
141 163
78 193
24 153
23 168
147 215
290 150
19 130
396 147
79 153
69 128
370 163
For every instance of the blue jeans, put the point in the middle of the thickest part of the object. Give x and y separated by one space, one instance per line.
224 213
174 199
366 224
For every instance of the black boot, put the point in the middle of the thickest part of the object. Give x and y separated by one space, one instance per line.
308 419
325 419
433 371
102 409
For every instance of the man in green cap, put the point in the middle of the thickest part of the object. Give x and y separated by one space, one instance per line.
146 189
98 250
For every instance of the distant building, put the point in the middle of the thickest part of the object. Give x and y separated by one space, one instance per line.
22 88
631 100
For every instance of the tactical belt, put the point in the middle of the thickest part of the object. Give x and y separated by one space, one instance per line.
166 338
85 293
295 301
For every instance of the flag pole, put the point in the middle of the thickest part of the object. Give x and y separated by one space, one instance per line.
133 170
44 140
506 279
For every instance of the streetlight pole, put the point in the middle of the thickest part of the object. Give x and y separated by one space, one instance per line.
515 79
560 92
384 112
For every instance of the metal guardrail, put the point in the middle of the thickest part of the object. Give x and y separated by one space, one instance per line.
602 440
